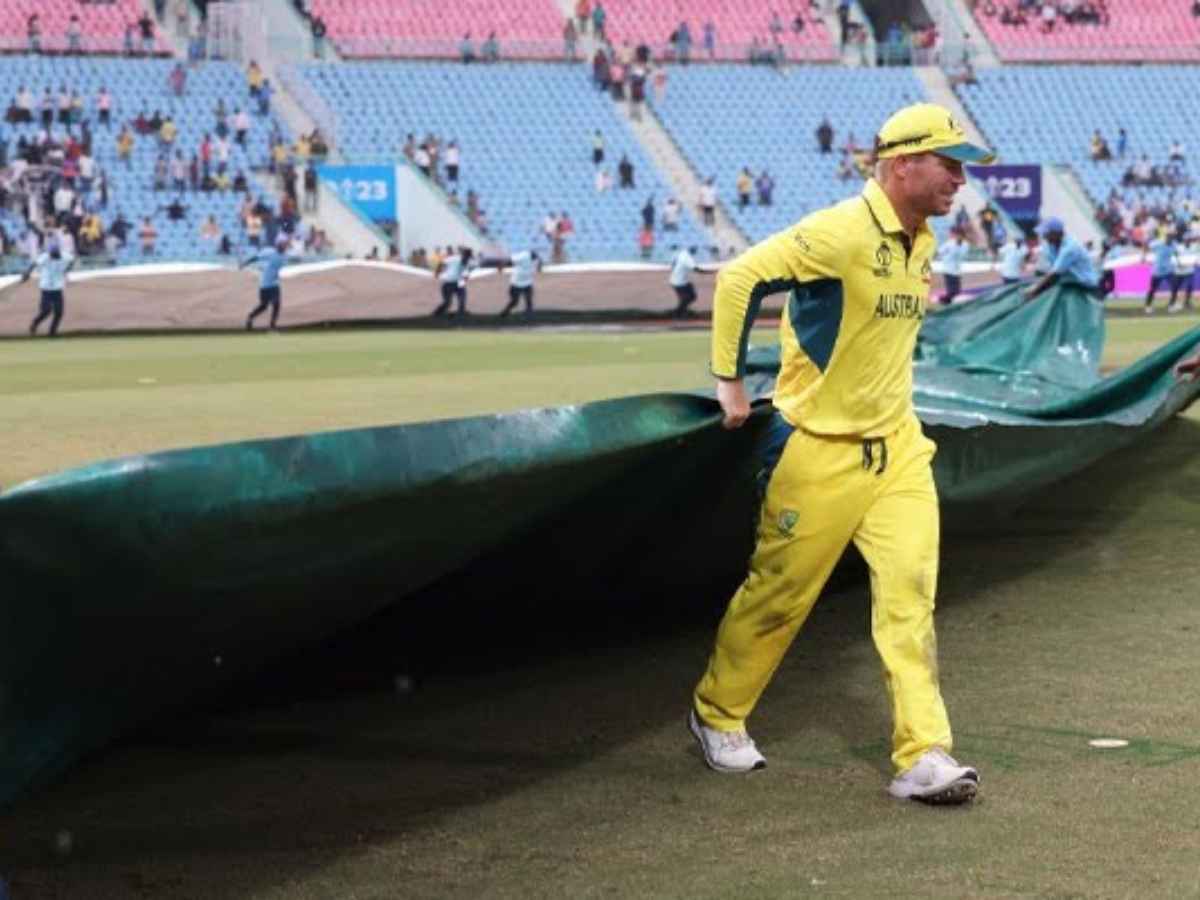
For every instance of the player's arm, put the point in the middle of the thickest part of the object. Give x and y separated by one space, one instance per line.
248 261
775 265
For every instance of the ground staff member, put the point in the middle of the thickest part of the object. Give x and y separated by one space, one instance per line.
53 266
269 295
845 459
682 267
453 273
520 280
1065 256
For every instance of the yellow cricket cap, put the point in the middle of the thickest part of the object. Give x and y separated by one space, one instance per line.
928 128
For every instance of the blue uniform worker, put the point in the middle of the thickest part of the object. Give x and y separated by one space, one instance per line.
1067 259
272 260
1162 272
53 265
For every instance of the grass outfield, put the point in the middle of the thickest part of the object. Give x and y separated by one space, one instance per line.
570 774
68 402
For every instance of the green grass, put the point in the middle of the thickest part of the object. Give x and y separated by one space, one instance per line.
572 775
65 403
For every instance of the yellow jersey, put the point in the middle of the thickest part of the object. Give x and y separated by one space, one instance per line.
857 289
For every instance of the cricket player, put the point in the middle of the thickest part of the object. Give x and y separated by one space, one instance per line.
845 458
53 265
269 294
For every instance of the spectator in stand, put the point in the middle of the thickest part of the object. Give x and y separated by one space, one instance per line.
311 193
625 172
33 32
64 106
125 145
682 41
167 133
452 158
603 180
127 43
583 15
74 35
659 79
744 185
179 172
825 136
148 235
597 148
466 49
1049 17
708 201
1176 153
710 39
648 213
489 50
599 18
646 242
637 91
104 107
146 27
570 38
765 185
601 71
176 211
241 126
254 79
177 80
670 214
319 31
1099 147
161 173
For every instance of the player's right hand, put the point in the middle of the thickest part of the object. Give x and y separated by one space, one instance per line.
734 403
1189 369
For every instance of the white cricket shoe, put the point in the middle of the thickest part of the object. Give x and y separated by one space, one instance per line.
936 778
726 751
1175 307
1148 310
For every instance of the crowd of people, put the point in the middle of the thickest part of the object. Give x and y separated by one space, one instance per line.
54 192
1046 15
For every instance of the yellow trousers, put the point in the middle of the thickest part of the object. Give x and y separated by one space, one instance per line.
822 493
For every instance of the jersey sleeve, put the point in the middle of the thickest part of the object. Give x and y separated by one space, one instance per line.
780 263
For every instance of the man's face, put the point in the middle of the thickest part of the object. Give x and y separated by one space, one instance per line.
931 181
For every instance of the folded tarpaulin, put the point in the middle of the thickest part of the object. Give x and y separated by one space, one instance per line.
136 584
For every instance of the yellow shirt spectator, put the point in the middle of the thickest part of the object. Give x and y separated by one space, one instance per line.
168 132
124 144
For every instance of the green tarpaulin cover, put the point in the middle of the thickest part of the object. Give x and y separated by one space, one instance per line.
135 584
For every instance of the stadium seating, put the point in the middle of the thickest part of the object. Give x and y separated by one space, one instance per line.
525 28
533 28
1138 31
736 25
103 24
525 130
137 85
726 117
1047 114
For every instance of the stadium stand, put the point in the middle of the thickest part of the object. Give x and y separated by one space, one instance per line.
525 130
532 29
138 85
735 27
1152 104
366 28
1134 31
724 118
105 27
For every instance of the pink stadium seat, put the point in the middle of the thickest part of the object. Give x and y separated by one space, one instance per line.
533 28
736 26
103 24
1149 30
524 28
